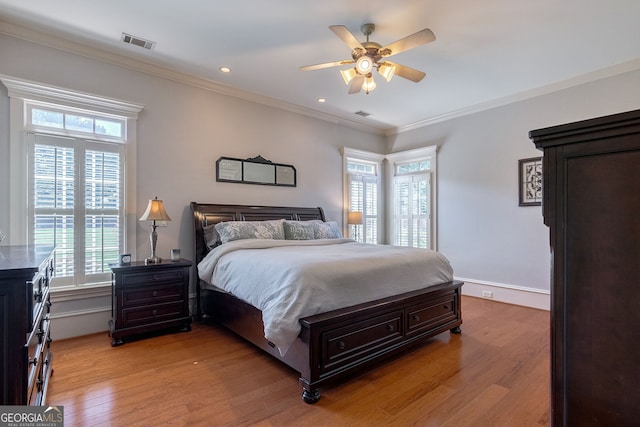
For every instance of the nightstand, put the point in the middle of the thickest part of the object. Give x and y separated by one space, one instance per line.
147 298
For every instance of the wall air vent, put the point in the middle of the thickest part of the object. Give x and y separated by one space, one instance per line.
137 41
363 113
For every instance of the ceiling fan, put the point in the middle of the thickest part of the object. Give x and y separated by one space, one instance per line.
369 55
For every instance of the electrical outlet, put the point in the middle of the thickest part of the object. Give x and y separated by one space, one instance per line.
487 294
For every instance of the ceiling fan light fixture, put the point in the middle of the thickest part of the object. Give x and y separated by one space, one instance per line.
387 70
348 74
364 65
369 84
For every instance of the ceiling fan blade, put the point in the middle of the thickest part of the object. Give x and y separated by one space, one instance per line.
408 72
346 36
414 40
356 84
326 65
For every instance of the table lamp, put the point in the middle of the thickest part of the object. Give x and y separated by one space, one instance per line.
155 212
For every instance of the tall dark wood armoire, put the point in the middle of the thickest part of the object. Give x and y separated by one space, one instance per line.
591 203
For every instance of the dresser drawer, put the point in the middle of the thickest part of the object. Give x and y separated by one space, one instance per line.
167 276
421 318
353 341
147 295
37 347
150 314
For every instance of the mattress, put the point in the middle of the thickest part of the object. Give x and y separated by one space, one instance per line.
291 279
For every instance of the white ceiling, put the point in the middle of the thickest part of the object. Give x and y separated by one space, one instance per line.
486 52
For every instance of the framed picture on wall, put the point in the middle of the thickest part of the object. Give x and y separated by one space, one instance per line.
530 181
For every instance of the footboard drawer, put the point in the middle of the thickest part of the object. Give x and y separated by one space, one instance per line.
431 314
359 339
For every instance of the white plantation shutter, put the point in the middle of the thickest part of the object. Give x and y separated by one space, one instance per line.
412 210
75 203
363 197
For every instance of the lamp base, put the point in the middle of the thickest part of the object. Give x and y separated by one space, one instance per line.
153 260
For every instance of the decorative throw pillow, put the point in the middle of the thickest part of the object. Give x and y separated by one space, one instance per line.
211 236
237 230
299 230
327 230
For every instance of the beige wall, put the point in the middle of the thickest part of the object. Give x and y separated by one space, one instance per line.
481 228
182 130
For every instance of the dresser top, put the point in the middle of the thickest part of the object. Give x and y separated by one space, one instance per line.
23 258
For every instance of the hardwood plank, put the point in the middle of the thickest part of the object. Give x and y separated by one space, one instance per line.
495 373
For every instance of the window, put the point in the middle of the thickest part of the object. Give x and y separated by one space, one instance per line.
77 149
75 204
363 193
412 211
412 198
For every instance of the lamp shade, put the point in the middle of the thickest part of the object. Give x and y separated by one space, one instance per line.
155 211
348 74
354 218
369 84
387 70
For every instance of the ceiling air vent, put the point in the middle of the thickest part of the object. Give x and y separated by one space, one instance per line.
137 41
363 113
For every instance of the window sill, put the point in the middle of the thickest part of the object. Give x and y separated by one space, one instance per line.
80 292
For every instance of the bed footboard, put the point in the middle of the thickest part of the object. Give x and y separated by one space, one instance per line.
347 340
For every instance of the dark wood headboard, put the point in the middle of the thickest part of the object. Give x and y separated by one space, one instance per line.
206 214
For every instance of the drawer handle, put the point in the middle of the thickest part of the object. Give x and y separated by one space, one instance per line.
155 293
390 327
35 361
341 345
156 277
415 318
446 307
154 312
37 296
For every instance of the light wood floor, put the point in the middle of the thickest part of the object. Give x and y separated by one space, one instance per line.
496 373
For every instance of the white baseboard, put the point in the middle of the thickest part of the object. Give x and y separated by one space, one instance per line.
518 295
82 322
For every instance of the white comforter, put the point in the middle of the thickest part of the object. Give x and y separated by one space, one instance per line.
291 279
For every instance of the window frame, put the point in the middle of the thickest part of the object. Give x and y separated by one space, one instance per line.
23 93
375 159
406 157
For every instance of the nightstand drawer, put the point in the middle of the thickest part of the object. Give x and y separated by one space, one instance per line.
147 295
151 314
175 275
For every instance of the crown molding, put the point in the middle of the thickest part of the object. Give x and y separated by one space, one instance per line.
26 89
104 53
522 96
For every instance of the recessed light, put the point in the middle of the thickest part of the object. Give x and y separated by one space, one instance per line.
322 100
225 69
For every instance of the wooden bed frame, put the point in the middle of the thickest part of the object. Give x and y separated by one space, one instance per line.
338 343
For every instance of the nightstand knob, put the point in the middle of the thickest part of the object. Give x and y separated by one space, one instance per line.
390 327
156 277
155 293
415 318
154 312
341 345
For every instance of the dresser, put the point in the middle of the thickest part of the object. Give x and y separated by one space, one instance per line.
25 338
591 203
149 298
